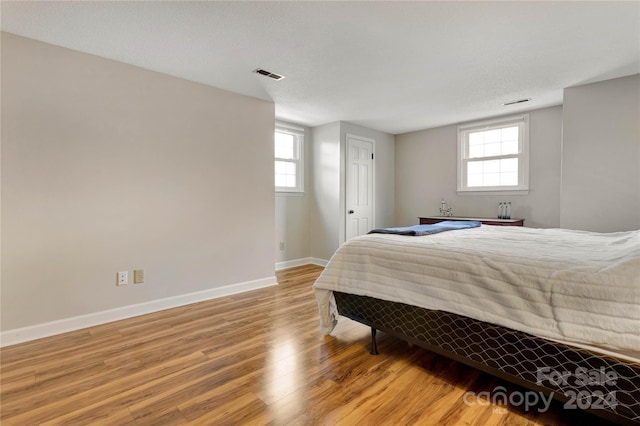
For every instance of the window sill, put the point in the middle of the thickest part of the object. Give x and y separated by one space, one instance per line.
289 194
494 192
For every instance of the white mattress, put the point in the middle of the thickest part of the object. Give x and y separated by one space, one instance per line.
570 286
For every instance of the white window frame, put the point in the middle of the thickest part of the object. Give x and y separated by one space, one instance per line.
298 133
522 122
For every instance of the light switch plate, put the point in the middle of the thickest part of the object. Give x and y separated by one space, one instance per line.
138 276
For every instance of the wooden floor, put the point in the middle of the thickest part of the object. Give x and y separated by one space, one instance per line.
252 358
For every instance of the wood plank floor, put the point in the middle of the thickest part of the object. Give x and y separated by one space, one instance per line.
252 358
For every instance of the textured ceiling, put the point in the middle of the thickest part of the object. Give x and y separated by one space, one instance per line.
390 66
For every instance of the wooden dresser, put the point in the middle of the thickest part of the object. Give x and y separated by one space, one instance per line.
429 220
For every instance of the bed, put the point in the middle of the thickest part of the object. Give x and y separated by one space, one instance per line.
554 310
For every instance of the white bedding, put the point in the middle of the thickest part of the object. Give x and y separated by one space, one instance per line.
571 286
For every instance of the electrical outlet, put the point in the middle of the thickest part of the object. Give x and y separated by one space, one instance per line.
281 245
138 276
123 278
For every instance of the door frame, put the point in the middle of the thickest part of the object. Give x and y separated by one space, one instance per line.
345 207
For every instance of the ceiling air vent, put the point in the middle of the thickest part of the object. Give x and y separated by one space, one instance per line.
519 101
269 74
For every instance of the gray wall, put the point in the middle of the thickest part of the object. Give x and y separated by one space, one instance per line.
328 182
426 167
107 167
601 156
325 177
292 213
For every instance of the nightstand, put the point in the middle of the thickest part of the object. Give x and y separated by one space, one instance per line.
429 220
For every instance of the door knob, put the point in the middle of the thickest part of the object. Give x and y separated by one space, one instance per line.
351 212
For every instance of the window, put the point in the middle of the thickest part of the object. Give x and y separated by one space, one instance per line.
289 166
494 156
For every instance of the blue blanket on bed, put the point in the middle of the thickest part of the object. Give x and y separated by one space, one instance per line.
447 225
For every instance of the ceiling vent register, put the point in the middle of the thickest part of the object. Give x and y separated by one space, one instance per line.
519 101
269 74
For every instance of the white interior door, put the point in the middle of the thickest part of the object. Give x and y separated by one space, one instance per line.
359 182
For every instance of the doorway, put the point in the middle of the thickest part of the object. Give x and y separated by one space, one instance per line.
359 186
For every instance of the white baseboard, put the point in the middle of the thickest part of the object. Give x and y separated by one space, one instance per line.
319 262
299 262
292 263
25 334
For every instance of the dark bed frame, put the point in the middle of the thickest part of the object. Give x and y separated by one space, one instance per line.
521 358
